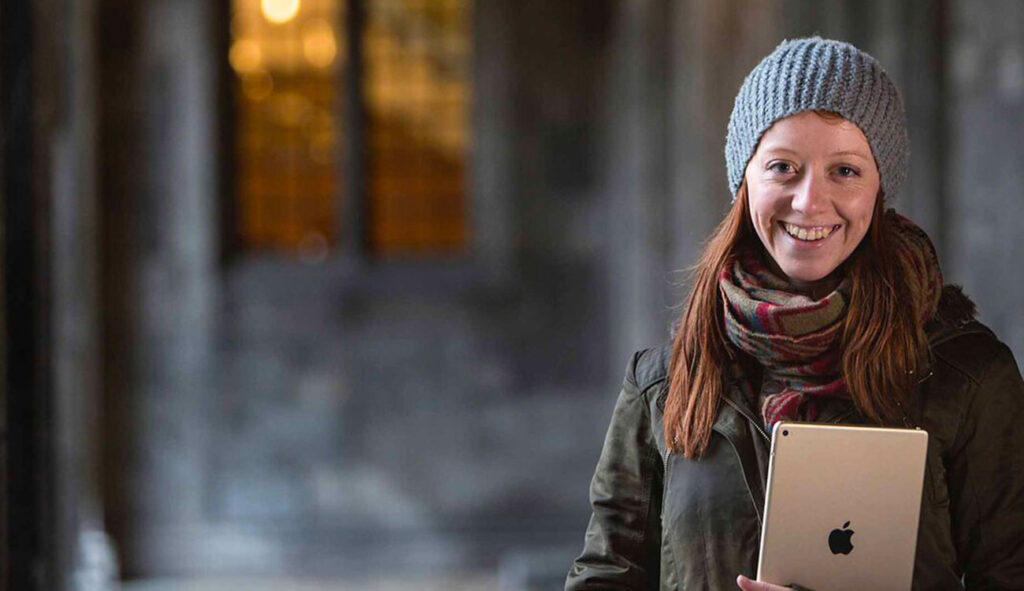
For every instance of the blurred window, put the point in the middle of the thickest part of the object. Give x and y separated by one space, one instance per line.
291 62
417 82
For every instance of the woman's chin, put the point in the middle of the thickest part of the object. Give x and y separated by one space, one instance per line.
809 280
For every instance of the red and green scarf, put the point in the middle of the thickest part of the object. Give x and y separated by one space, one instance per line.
796 338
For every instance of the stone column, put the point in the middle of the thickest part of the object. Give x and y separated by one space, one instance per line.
635 165
160 199
85 559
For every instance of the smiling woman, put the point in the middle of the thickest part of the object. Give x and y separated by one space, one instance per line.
812 186
810 302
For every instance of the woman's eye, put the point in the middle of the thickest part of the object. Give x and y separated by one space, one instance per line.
780 167
847 171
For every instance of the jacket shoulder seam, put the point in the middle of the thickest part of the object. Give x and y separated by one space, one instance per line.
975 372
650 356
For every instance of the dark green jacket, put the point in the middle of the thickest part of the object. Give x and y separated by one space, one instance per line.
661 521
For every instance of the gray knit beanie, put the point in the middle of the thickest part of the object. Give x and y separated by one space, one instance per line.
820 74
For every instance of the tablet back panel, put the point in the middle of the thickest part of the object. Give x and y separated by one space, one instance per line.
825 481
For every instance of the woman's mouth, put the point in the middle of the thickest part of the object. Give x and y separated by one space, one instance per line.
808 234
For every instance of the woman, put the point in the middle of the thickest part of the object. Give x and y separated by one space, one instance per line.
810 302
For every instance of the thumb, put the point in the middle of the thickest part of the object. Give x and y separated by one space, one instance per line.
749 585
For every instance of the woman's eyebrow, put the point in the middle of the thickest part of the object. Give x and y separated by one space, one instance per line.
851 153
780 149
773 149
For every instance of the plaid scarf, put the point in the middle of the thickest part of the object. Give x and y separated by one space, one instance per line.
795 338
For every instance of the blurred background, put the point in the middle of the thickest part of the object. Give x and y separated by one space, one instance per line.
337 294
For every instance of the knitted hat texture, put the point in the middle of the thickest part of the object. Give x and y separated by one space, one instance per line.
820 74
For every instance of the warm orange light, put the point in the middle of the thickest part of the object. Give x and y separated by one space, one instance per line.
321 147
245 56
257 85
291 109
279 11
318 43
245 23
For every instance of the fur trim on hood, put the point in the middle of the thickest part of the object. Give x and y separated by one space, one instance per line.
955 309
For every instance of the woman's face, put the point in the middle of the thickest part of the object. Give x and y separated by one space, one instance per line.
811 185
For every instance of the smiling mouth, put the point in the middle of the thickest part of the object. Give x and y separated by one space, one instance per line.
811 234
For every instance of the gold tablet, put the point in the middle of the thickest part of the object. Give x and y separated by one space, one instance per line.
842 506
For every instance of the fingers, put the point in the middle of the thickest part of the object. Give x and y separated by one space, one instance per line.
748 585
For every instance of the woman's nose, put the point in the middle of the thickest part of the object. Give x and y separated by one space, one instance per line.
810 196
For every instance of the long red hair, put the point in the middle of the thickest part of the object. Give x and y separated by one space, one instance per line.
883 346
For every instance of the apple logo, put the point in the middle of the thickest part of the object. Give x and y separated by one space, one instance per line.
839 540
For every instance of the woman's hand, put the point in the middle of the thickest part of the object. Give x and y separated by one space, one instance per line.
748 585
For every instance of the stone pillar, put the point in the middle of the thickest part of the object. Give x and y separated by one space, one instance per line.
922 76
635 165
160 198
492 177
85 559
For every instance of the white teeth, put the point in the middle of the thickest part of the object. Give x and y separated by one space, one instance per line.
812 234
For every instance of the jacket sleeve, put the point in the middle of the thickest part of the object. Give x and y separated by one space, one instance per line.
622 544
985 474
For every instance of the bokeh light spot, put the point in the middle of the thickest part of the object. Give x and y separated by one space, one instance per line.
279 11
245 56
318 43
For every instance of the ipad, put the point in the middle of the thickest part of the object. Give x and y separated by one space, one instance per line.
842 506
